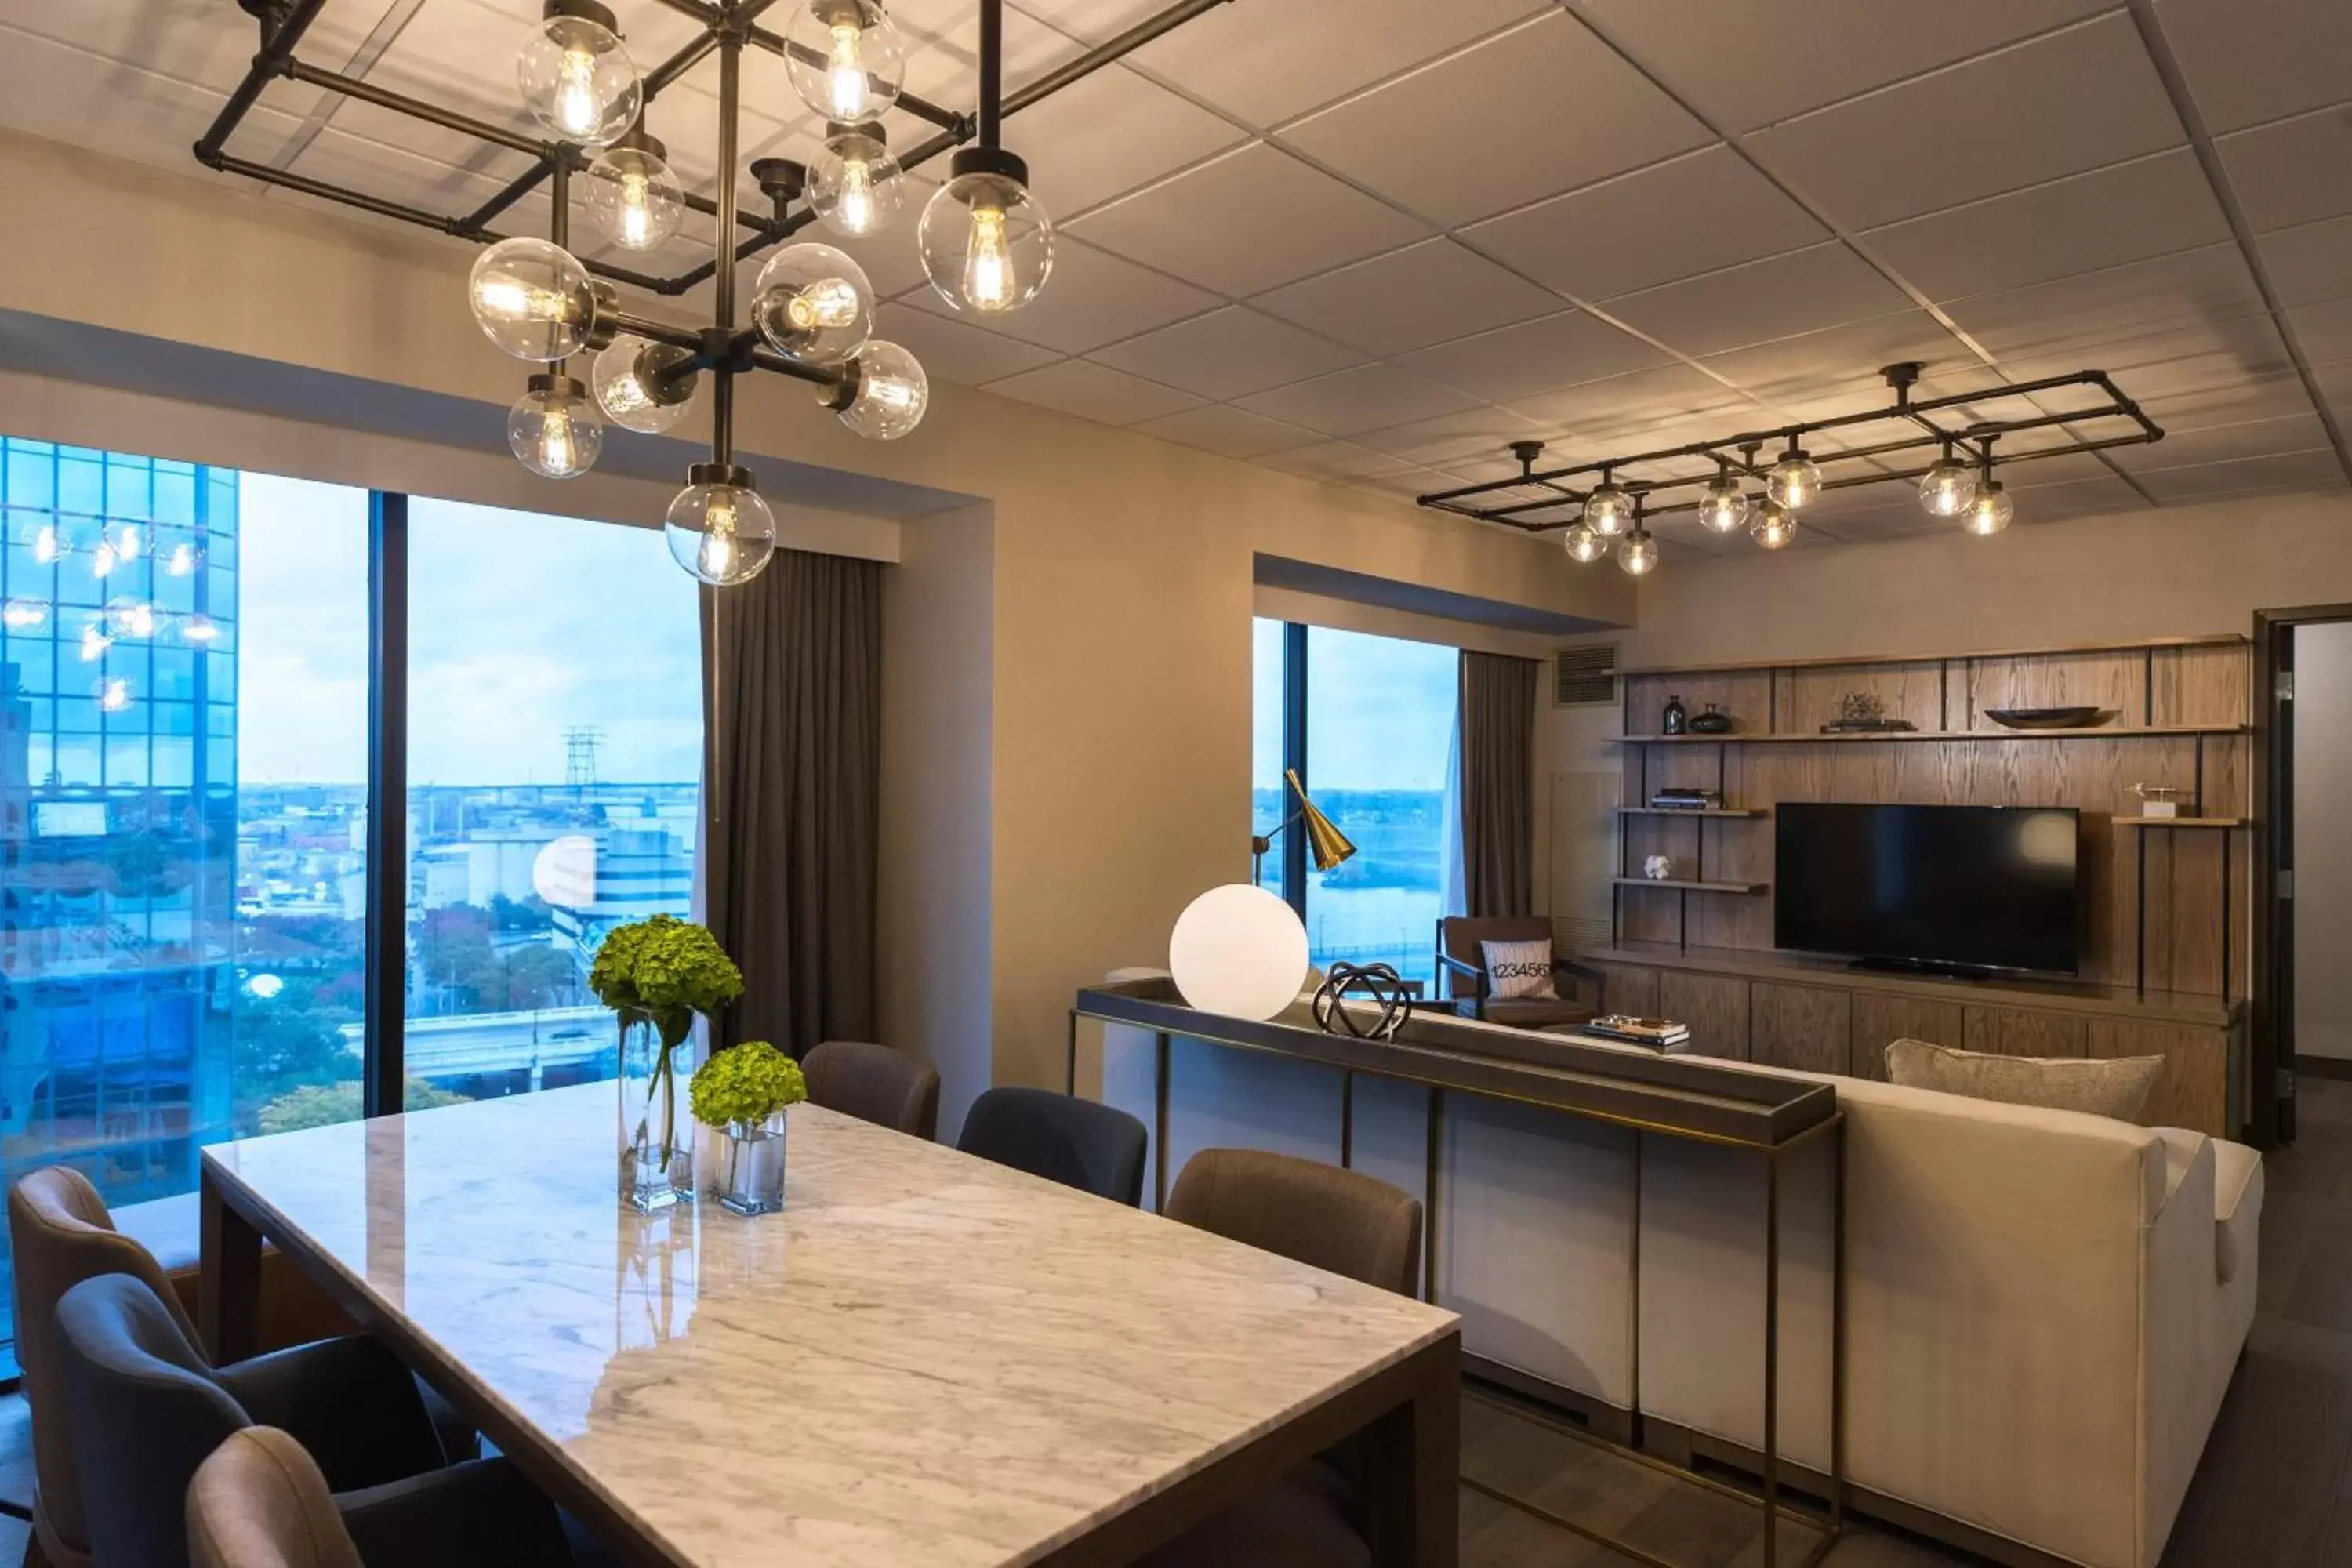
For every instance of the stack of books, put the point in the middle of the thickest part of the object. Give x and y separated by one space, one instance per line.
1658 1034
1686 799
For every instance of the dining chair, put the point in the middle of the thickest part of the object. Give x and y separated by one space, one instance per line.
1080 1143
877 1084
259 1500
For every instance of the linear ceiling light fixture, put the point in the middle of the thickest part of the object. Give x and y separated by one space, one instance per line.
987 243
1626 492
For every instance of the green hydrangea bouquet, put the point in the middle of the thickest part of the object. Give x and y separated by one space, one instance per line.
657 974
745 1085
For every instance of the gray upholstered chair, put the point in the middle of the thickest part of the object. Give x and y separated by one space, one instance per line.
1462 969
1080 1143
877 1084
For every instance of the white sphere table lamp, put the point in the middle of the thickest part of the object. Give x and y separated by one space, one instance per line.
1239 950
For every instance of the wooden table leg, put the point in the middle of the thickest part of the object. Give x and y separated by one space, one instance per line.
1413 1455
229 1278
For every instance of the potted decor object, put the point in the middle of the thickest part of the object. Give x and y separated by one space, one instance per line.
658 976
741 1092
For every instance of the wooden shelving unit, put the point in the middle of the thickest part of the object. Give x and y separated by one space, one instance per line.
2222 822
1711 814
1747 888
1793 737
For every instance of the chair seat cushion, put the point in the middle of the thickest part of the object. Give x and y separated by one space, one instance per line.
2236 1206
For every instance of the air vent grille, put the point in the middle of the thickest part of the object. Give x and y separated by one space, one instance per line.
1584 676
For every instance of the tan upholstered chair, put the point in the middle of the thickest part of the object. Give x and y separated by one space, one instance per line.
877 1084
260 1502
1462 972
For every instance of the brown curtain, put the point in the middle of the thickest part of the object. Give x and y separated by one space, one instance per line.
1498 721
792 757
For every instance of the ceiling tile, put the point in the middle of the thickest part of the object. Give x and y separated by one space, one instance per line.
1472 434
1489 127
2310 263
1252 220
1093 298
1107 134
1094 392
2276 396
1759 301
1746 66
1646 400
957 351
2246 476
2170 363
2082 497
2250 60
2207 285
1606 240
2061 104
1562 349
2296 171
2258 438
1232 432
1369 397
1792 371
2134 210
1229 353
49 90
403 176
1337 460
202 46
2323 331
1409 299
2065 468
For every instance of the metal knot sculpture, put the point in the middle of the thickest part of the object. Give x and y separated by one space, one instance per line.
1374 982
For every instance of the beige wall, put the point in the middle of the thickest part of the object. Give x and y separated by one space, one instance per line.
1118 644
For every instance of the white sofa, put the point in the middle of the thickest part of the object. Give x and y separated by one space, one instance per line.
2045 1306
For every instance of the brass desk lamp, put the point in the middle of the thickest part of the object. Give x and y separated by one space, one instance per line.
1325 843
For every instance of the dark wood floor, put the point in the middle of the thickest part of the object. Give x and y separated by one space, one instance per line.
2273 1490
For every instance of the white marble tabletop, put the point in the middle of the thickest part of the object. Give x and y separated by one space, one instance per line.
927 1359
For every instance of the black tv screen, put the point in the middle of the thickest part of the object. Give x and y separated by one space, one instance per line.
1985 887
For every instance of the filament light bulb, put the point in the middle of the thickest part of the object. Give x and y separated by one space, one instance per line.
720 528
854 185
1795 479
845 58
1946 488
1639 554
1584 543
575 77
987 243
552 428
813 304
855 215
1609 509
577 112
1991 511
887 390
534 299
1724 509
845 72
1775 526
988 263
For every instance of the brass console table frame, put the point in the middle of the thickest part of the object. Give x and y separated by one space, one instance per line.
1688 1098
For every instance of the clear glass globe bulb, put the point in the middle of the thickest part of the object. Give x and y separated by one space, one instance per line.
1946 488
855 186
987 243
1794 480
1609 509
533 299
553 429
813 304
634 199
1584 543
892 392
1775 526
1991 511
578 80
720 529
848 59
1638 554
1724 508
625 376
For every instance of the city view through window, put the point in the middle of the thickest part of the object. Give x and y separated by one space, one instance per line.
184 748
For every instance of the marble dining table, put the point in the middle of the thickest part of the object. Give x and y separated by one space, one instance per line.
924 1359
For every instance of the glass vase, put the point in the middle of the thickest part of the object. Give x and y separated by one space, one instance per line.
745 1171
657 1144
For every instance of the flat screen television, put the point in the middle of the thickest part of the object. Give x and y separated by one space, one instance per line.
1956 887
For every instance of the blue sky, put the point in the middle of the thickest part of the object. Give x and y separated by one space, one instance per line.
1379 709
521 627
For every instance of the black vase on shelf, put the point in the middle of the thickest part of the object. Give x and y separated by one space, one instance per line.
1675 720
1714 721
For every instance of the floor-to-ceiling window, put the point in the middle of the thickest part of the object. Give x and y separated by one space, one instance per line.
554 752
1370 728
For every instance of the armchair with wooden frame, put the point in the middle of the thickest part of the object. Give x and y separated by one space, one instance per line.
1462 969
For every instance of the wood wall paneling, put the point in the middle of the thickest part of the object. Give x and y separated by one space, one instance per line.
1880 1020
2022 1032
1746 695
2204 685
2116 682
1809 1027
1628 989
1810 698
2193 1091
1714 1006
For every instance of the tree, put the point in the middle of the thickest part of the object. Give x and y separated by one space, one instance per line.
331 1104
539 976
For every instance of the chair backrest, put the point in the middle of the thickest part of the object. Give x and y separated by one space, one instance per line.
1458 937
1344 1221
61 1235
877 1084
145 1412
260 1502
1095 1148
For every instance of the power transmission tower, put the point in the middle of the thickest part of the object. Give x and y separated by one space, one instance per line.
580 759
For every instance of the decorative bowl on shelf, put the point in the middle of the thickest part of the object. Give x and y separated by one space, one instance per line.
2048 717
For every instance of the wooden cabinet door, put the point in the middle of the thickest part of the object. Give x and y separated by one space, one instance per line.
1714 1006
2194 1090
2022 1032
1625 988
1809 1027
1880 1019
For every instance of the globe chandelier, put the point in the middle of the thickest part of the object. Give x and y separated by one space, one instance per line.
1607 505
985 239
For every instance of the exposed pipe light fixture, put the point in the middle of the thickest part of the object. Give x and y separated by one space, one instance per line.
987 243
1615 511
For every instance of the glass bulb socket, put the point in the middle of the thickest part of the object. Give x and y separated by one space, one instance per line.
1948 488
883 393
1775 526
632 389
987 242
1609 509
846 60
854 186
1584 543
813 305
533 299
1725 507
719 529
576 77
633 197
1795 479
1637 555
552 428
1990 512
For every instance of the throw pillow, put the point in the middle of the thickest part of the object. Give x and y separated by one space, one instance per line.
2117 1087
1519 970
